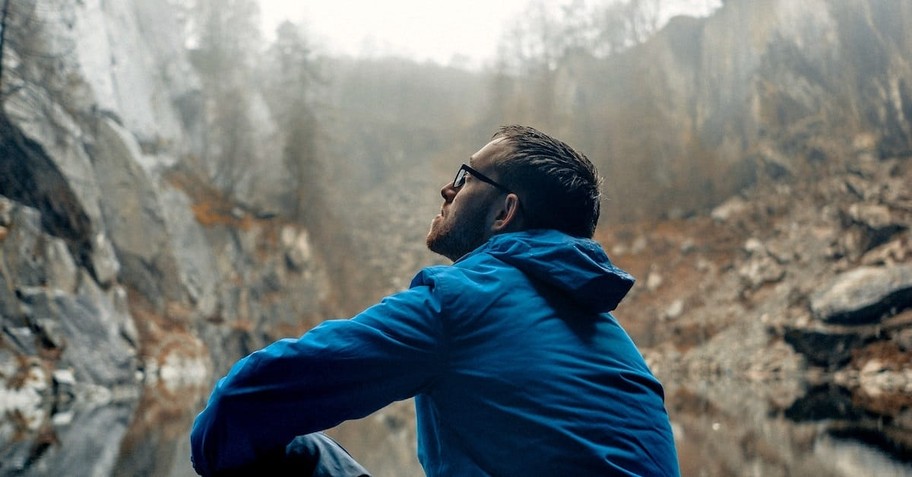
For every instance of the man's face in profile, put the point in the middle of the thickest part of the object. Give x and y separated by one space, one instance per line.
462 225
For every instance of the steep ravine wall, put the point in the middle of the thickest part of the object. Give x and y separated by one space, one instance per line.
125 279
761 89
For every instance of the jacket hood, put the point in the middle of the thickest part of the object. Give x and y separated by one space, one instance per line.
576 266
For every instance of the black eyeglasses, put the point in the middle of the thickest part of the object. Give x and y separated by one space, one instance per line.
464 169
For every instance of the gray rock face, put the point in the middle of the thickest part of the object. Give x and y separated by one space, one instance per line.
119 266
78 325
864 295
764 85
56 306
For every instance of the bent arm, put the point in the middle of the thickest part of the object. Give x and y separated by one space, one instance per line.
340 370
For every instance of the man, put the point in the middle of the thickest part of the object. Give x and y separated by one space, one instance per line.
515 362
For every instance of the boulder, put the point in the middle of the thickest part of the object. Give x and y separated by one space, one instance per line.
865 295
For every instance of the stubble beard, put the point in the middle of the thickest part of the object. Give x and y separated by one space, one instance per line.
454 237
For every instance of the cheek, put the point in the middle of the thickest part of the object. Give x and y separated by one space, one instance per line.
464 209
466 198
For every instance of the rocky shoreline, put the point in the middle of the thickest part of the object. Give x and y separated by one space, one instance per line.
803 288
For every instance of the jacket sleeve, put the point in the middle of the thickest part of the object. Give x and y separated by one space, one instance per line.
340 370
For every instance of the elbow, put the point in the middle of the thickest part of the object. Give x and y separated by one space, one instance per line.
205 438
198 444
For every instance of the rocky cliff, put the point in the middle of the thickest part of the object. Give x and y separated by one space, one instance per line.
791 299
781 318
123 271
762 89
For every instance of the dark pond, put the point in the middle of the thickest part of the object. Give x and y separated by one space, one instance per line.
725 428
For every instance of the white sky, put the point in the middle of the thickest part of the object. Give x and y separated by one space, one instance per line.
422 29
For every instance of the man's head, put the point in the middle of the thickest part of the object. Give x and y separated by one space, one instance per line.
558 186
523 179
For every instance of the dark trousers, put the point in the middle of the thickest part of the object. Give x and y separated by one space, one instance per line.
310 455
318 455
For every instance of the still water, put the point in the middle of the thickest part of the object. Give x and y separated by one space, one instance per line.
724 428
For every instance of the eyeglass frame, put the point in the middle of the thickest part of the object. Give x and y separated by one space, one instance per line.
459 180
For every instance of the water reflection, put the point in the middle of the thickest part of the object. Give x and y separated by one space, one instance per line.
887 432
80 440
854 459
735 428
157 442
724 428
93 431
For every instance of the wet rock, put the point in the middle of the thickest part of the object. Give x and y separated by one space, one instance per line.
864 295
23 387
876 378
824 402
96 456
825 348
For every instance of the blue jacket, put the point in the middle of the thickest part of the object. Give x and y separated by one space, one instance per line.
516 365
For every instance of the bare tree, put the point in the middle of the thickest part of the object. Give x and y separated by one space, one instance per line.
291 74
621 25
227 37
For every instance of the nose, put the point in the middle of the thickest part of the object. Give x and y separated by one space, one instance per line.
448 192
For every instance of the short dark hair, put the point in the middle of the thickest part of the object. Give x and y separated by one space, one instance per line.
559 188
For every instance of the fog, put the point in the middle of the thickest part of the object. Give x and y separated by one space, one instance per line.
460 33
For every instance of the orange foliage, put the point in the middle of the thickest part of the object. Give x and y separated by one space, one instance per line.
210 214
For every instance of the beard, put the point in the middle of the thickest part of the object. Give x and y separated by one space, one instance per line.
454 236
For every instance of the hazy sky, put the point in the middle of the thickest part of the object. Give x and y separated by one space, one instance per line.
422 29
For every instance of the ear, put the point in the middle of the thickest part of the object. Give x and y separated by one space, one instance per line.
508 217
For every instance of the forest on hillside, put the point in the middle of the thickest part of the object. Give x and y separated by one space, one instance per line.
678 115
343 125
